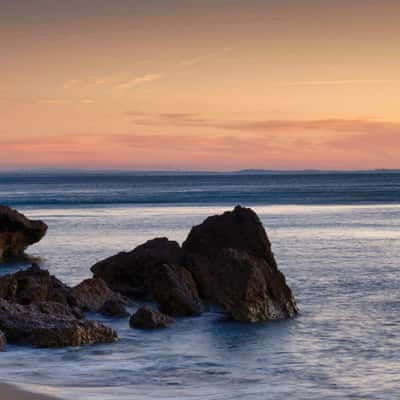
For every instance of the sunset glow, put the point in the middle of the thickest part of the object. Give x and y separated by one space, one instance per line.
208 85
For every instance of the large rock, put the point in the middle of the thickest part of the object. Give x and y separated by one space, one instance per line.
18 232
129 272
33 285
240 229
34 326
3 341
92 294
153 271
147 318
231 260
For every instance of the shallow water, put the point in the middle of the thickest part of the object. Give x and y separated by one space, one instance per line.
342 262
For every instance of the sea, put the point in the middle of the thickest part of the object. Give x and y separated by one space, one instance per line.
335 235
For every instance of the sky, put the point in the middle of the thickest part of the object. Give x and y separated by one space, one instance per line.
200 85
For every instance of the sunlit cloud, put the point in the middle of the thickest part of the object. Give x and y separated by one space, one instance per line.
338 82
131 83
287 125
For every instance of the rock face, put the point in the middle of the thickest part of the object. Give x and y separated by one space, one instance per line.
175 292
147 318
39 310
34 326
18 232
226 260
230 258
92 295
113 308
3 341
155 271
33 285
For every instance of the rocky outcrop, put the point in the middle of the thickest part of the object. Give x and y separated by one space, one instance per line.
33 285
49 327
92 295
147 318
129 272
18 232
231 260
226 260
3 341
153 271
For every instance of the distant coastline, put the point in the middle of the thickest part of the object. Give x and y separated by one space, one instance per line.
93 172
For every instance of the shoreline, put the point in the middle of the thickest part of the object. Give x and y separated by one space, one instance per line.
12 392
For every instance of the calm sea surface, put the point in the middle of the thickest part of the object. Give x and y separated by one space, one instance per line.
336 237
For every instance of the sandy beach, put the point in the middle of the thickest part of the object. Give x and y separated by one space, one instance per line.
9 392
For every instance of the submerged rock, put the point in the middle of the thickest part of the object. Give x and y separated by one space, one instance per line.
154 271
231 260
147 318
29 325
3 341
18 232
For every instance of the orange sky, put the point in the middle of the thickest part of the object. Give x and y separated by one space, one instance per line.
214 85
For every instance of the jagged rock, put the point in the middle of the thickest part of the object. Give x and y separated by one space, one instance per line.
114 308
231 260
175 291
92 294
147 318
153 271
53 308
240 229
18 232
3 341
128 272
33 285
29 325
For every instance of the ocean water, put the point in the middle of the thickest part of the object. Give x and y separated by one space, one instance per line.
335 236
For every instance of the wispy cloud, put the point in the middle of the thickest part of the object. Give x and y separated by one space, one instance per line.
338 82
131 83
66 101
191 61
184 120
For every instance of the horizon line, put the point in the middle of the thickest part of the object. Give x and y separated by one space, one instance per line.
188 171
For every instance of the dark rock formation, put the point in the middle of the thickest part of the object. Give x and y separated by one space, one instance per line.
35 326
128 272
35 285
92 294
114 308
3 341
18 232
147 318
230 258
153 271
32 285
225 260
175 292
240 229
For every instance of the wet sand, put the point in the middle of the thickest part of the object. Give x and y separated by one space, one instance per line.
8 392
